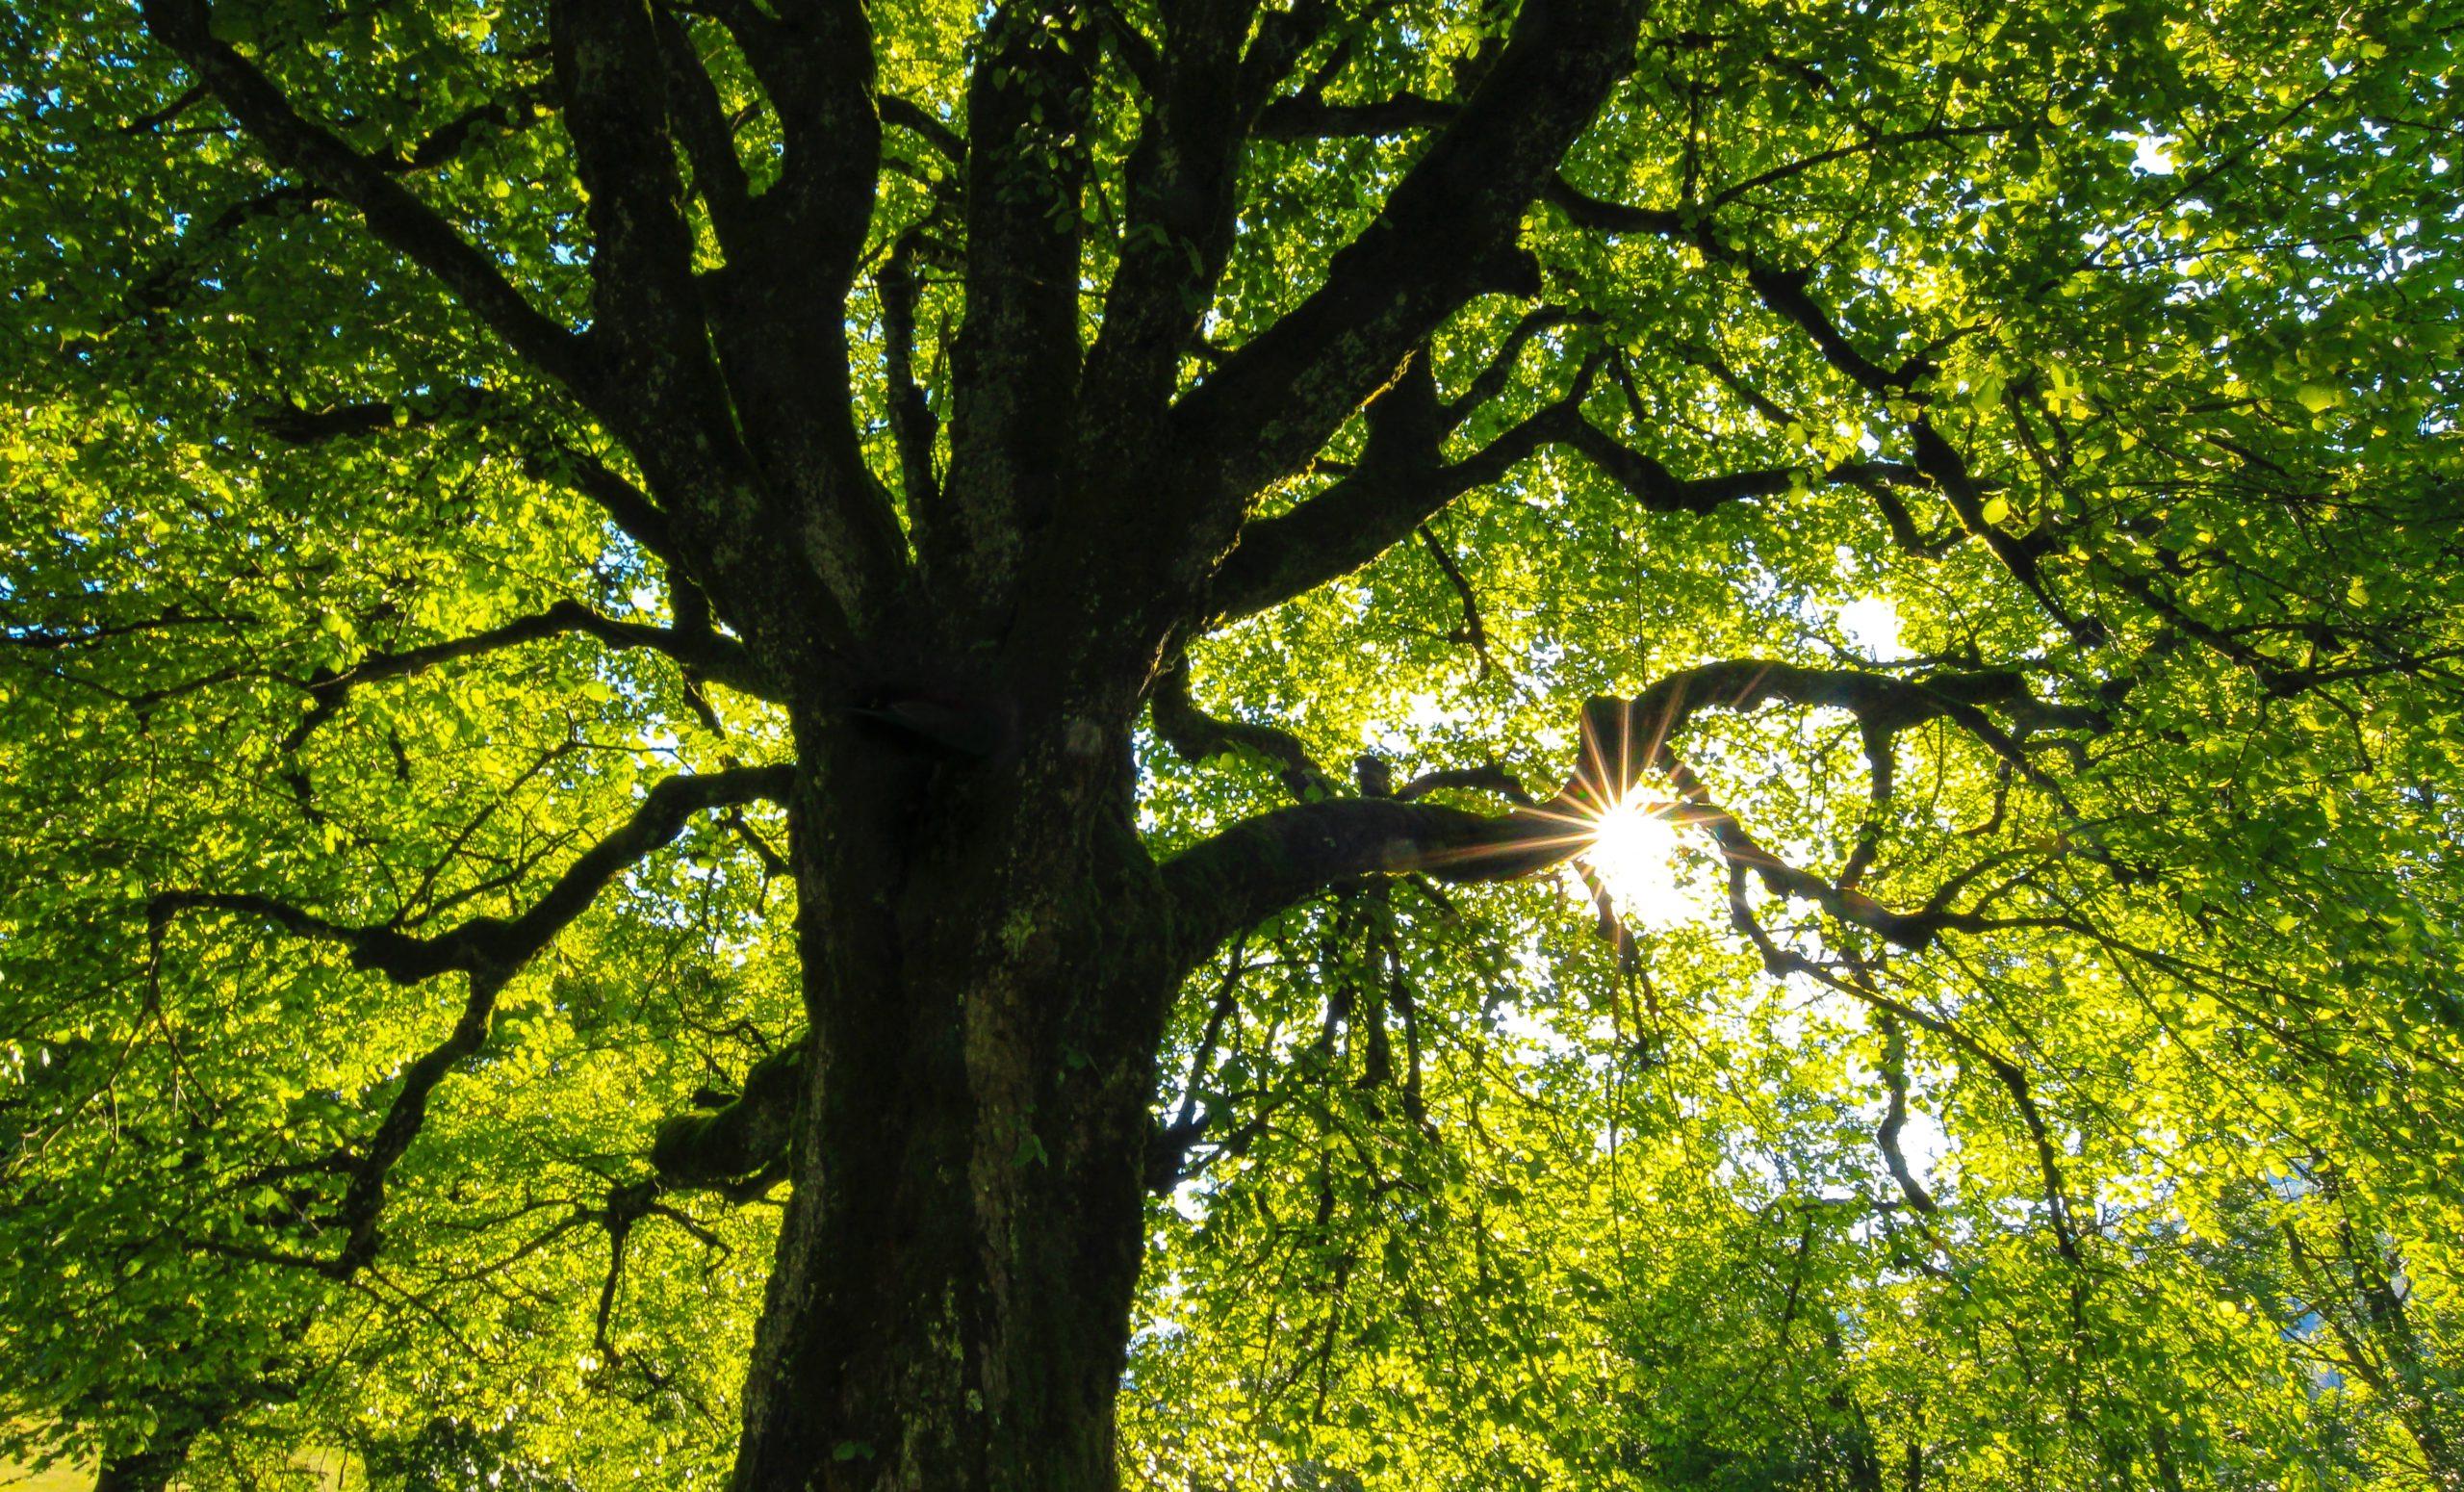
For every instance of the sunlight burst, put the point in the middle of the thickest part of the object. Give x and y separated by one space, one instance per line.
1633 853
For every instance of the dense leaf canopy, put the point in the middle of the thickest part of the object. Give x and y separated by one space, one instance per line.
1992 467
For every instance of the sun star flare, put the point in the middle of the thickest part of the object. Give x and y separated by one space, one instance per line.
1632 855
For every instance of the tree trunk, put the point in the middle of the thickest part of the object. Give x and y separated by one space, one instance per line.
988 969
152 1469
147 1471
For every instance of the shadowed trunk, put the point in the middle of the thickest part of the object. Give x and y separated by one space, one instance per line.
152 1469
180 1423
987 969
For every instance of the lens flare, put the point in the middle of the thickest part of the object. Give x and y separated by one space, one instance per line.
1633 853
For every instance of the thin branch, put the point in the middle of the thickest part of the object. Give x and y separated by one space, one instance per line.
1307 116
705 653
493 947
1195 737
1894 1070
912 118
911 423
1475 631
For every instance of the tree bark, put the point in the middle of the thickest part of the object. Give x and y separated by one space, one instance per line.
152 1469
988 965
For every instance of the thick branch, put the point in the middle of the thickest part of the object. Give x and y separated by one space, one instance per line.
1180 186
398 217
1255 868
1361 516
702 129
779 307
1448 233
612 76
743 1140
1015 366
1260 865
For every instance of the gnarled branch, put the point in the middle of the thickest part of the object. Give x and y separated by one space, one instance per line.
1194 736
1258 866
742 1143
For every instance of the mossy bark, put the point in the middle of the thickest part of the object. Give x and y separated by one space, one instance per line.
988 968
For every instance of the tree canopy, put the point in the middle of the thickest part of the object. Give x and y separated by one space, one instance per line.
1238 744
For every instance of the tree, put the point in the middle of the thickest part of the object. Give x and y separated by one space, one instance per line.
676 661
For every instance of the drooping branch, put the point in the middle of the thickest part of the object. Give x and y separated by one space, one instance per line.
626 505
394 213
1474 631
1882 769
489 946
2007 1072
489 950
